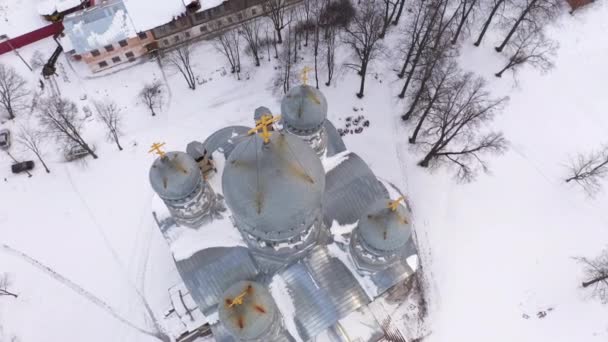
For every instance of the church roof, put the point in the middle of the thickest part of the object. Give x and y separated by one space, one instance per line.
273 189
175 175
304 109
247 310
385 229
225 139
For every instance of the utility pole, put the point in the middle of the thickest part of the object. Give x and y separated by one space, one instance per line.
8 41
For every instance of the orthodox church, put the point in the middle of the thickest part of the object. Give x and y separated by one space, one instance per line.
279 232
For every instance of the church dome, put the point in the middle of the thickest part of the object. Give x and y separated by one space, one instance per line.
273 189
175 176
383 229
247 310
304 110
259 112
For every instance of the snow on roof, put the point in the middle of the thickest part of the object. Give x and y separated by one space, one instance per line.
207 4
280 292
18 17
49 7
147 15
98 26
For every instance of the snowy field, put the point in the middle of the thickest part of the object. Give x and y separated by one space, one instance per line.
497 251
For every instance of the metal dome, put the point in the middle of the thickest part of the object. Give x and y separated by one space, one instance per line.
384 229
175 175
247 310
273 189
304 109
257 114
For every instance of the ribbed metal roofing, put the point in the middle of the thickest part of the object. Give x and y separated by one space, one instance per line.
175 176
304 109
323 291
247 310
211 271
384 229
272 189
257 114
335 144
225 139
350 188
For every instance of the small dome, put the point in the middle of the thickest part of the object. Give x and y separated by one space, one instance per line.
304 109
383 229
175 176
273 188
247 310
257 115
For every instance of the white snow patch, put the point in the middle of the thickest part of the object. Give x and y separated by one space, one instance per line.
330 163
412 262
146 16
119 29
359 325
207 4
185 242
366 283
49 7
280 293
337 229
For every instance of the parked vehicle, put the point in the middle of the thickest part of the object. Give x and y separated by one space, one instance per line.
5 139
22 166
75 152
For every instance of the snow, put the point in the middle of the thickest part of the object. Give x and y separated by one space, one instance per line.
338 229
280 293
118 29
494 251
330 163
146 17
19 17
49 7
207 4
358 325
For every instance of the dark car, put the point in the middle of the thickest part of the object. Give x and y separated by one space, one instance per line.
22 167
5 139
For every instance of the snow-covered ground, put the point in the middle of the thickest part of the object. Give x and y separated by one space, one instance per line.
497 251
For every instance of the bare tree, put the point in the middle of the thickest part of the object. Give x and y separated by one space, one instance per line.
596 275
60 117
180 59
110 115
363 35
439 85
496 6
466 8
437 52
530 46
13 92
389 10
227 43
276 11
399 11
5 284
152 96
589 170
413 32
427 43
250 30
535 13
451 132
32 140
286 69
330 53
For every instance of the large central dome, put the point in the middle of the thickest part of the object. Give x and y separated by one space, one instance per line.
274 189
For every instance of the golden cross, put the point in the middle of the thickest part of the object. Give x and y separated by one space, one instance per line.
238 300
393 205
304 74
263 124
156 149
